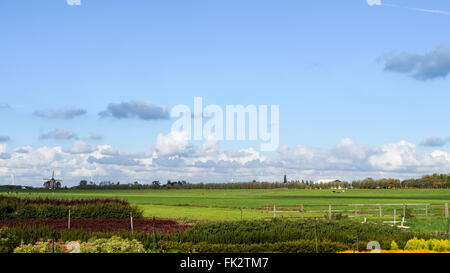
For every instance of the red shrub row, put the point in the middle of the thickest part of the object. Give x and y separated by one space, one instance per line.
60 201
143 224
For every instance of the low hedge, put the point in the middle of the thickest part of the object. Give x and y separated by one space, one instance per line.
300 246
22 210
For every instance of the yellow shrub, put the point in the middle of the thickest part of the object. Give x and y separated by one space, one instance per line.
432 244
394 245
401 251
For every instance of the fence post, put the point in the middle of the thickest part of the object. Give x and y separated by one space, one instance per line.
53 241
395 216
303 212
131 222
357 240
404 210
426 210
68 221
448 229
356 211
381 211
315 234
274 211
329 212
446 210
154 230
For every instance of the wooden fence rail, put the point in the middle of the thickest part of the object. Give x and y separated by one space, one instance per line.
360 210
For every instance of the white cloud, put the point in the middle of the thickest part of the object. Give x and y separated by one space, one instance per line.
5 138
173 143
374 2
3 148
396 156
73 2
135 109
59 134
62 113
96 136
80 147
432 65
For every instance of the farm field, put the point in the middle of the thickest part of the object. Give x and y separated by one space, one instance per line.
210 221
243 204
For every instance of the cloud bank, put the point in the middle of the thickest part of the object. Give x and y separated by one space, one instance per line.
174 157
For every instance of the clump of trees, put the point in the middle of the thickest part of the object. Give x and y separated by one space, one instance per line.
434 181
370 183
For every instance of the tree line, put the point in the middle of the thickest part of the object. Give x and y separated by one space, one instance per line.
434 181
304 184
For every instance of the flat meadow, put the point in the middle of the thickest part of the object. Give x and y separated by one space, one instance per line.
236 204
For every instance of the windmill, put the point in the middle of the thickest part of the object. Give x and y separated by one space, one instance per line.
52 183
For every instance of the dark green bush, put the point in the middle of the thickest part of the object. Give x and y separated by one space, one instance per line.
23 210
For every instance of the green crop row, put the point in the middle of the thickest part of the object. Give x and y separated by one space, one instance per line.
300 246
52 211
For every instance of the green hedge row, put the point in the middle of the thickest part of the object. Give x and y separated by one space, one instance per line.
300 246
50 211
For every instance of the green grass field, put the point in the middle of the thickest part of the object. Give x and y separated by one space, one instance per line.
237 204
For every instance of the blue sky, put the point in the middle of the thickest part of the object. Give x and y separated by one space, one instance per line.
336 68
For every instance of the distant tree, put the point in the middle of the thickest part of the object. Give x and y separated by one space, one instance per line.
83 183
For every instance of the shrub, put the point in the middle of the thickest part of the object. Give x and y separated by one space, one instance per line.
42 247
7 240
394 245
432 244
110 245
301 246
